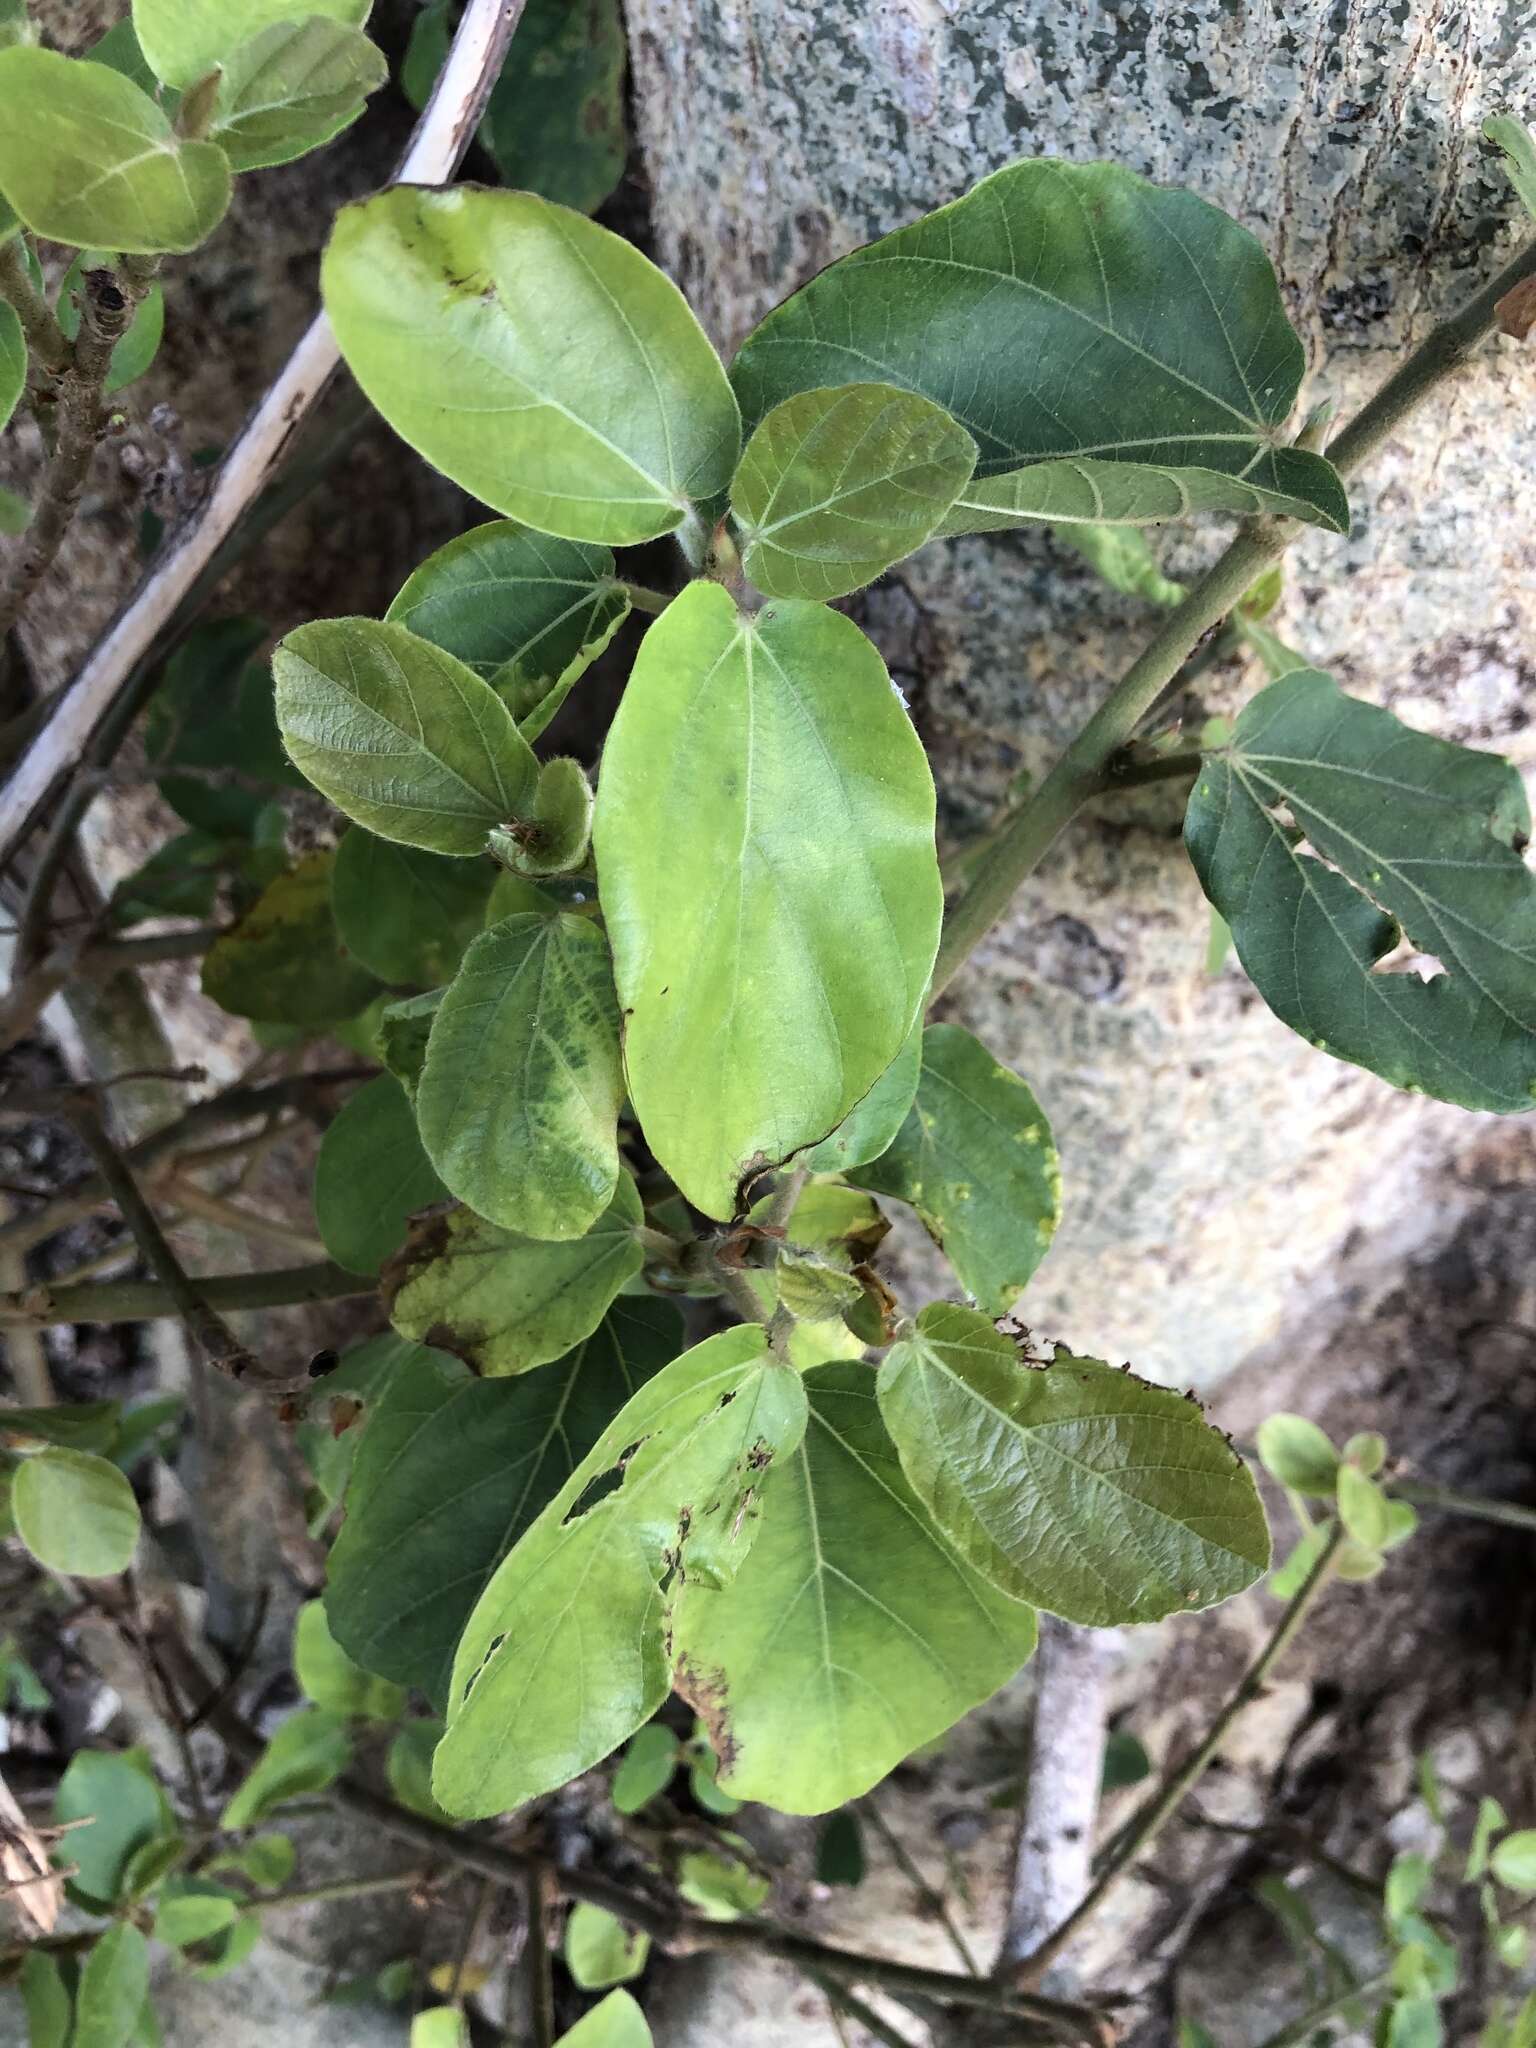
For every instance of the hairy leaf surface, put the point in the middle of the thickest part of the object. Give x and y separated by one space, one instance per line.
449 1473
1096 492
1325 832
535 358
1071 1485
291 87
405 914
519 1100
566 1653
835 486
184 40
764 840
853 1633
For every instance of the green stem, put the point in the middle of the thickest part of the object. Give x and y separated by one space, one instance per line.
789 1190
338 1888
644 599
142 1301
1128 772
44 336
1144 1826
1076 777
1508 1512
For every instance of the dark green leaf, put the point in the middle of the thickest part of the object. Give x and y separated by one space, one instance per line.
283 961
88 159
600 1950
292 86
597 408
113 1986
752 1025
450 1471
977 1161
1063 309
75 1513
1071 1485
840 1850
138 347
126 1809
1324 833
405 914
309 1751
198 720
1125 1762
506 1302
835 486
371 1177
180 879
400 735
77 1425
555 123
47 2003
186 39
119 50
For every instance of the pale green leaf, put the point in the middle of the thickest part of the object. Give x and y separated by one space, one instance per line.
1518 145
308 1752
977 1161
268 1861
1300 1455
193 1910
328 1676
646 1769
1367 1448
1093 492
1491 1821
15 512
408 1767
291 87
1073 1485
720 1887
518 1103
738 852
853 1634
113 1986
119 50
87 158
46 2002
552 838
1513 1860
76 1513
139 346
183 40
568 1650
371 1177
617 2023
600 1950
870 1127
440 2026
405 914
1325 832
283 961
400 735
127 1810
1120 555
835 486
13 361
538 360
1063 309
507 1302
452 1469
1363 1508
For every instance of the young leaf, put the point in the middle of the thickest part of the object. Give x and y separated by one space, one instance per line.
46 2002
506 1302
88 159
1491 1820
1093 492
853 1633
1122 557
127 1810
1389 834
75 1513
977 1161
527 612
184 40
308 1752
291 87
1518 145
519 1100
139 346
597 409
283 961
752 1023
1363 1508
553 838
13 361
401 736
1299 1455
600 1950
568 1650
648 1766
1076 1487
1063 309
405 914
449 1473
328 1676
113 1986
835 486
617 2023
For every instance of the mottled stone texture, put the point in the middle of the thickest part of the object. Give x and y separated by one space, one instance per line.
1213 1163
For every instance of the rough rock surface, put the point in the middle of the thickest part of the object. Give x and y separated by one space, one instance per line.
1212 1162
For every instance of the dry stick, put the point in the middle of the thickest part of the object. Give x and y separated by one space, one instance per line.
1144 1826
841 1999
1025 839
541 1983
441 138
928 1895
143 1301
77 957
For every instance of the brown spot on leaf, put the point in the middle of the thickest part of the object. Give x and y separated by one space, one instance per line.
707 1693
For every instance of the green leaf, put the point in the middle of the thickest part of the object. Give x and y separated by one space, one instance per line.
358 1381
13 361
408 1767
1094 492
328 1676
1367 1448
525 611
180 879
647 1768
401 736
291 87
205 716
1062 309
1513 1860
835 486
440 2026
127 1809
403 1035
1125 1761
1408 1879
1414 2023
47 2003
600 1950
308 1752
853 1634
1120 555
977 1161
76 1425
87 158
449 1473
1362 1508
596 410
228 1951
150 1864
371 1177
119 50
506 1302
870 1127
405 914
1071 1485
752 1025
139 346
283 961
268 1861
568 1650
720 1887
75 1513
1299 1455
555 124
553 838
1399 835
15 512
192 1910
519 1099
617 2023
113 1986
184 40
1491 1820
1518 145
840 1850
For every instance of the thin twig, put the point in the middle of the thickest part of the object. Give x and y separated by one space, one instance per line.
541 1983
144 1301
77 958
1422 1495
928 1894
841 1999
336 1888
44 336
196 1201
